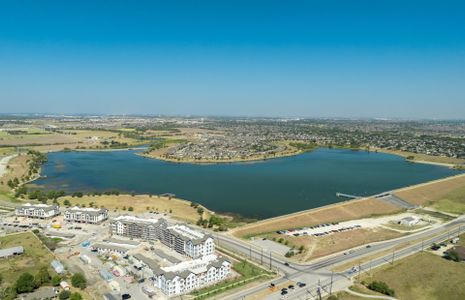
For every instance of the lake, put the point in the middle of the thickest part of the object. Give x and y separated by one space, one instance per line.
259 189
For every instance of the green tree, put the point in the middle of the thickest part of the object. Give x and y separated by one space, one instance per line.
42 276
130 208
453 255
67 202
64 295
56 280
25 283
79 281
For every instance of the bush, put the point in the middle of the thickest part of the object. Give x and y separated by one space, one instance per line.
452 255
79 281
381 287
42 276
75 296
25 283
130 208
56 280
64 295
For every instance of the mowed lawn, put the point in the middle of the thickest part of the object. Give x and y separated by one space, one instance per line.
423 276
35 256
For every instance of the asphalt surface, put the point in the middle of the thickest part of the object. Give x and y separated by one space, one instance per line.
317 275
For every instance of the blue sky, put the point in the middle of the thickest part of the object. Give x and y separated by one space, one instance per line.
402 59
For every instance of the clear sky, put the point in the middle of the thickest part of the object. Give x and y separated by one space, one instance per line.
325 58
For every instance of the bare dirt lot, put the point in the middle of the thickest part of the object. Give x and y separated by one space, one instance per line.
427 193
349 210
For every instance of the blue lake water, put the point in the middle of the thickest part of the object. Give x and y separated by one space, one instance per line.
260 189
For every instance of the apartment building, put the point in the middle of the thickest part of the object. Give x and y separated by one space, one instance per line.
41 211
187 241
186 276
86 215
134 227
180 238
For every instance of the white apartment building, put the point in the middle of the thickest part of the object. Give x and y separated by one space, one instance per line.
41 211
187 241
86 215
186 276
134 227
180 238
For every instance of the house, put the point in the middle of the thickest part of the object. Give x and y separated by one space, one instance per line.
40 211
42 293
409 221
460 250
7 252
86 215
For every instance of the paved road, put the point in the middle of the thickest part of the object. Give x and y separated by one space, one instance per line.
319 270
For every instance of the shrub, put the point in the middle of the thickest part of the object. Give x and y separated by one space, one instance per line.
56 280
25 283
381 287
64 295
79 281
75 296
130 208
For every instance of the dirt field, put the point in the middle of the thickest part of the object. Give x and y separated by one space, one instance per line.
181 209
423 276
430 192
349 210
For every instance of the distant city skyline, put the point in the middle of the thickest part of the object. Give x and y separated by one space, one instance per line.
330 59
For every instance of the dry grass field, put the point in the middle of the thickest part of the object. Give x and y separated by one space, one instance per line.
18 167
35 256
180 209
316 247
52 141
417 157
349 210
423 276
430 192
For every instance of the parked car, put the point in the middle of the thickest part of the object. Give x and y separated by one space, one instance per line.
125 296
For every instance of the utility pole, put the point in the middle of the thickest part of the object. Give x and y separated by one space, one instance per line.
422 243
318 291
331 285
261 256
359 270
250 253
270 261
371 260
392 260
